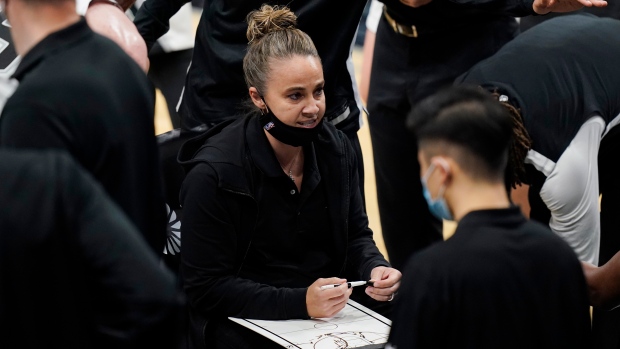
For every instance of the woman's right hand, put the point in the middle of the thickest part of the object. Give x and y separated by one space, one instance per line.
327 303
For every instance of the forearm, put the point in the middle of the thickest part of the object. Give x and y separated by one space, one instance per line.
153 18
210 273
210 259
604 283
223 296
126 4
363 254
516 8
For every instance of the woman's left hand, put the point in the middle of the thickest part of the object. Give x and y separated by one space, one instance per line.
386 283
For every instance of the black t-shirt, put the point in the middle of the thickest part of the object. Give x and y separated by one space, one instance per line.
560 73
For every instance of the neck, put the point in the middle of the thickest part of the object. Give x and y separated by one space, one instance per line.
284 153
474 196
32 23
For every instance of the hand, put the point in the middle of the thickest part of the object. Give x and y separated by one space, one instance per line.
415 3
542 7
112 23
327 303
386 283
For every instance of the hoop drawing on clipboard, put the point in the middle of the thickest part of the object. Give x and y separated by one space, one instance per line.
343 340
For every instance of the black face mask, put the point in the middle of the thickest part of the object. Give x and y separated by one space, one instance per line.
291 135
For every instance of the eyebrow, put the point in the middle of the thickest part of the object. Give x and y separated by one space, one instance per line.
300 88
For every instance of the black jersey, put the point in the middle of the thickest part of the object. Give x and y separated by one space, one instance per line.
560 73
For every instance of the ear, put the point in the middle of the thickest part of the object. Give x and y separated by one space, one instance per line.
443 166
256 98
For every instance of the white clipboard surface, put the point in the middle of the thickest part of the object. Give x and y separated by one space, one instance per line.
354 327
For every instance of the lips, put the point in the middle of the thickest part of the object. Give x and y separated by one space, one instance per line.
308 124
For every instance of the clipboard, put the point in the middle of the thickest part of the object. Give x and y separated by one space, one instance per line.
353 327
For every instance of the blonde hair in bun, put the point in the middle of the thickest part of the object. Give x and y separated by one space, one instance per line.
272 34
269 19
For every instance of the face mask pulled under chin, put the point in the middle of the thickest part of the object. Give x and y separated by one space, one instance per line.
291 135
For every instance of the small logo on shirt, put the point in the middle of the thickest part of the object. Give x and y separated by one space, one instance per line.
269 126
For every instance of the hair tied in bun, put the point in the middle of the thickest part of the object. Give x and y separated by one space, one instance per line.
269 19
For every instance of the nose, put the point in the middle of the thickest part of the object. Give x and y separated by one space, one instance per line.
311 108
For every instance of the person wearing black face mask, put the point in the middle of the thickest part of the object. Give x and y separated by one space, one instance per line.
291 135
272 209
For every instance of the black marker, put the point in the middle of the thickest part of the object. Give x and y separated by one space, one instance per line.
350 284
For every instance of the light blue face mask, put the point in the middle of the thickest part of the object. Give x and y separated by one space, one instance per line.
438 207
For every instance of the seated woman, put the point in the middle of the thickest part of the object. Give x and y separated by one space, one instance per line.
272 207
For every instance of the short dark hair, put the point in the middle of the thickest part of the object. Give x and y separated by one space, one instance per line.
467 124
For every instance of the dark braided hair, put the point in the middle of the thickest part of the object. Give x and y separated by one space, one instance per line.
520 145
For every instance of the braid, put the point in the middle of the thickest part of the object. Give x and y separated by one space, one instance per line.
520 145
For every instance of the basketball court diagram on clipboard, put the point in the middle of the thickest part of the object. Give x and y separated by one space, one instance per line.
354 327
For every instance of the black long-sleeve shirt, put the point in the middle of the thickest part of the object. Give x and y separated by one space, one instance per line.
246 251
74 271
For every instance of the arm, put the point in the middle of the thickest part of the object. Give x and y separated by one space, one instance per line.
363 256
153 18
209 240
604 283
109 21
520 8
147 304
372 22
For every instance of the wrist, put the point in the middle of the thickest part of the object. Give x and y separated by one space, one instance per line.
109 2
